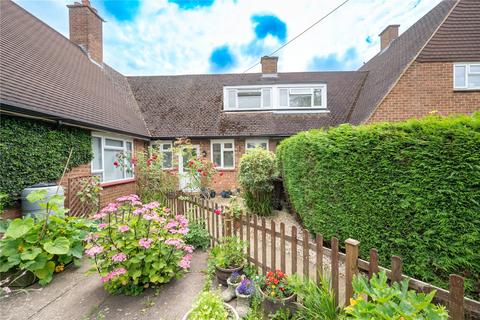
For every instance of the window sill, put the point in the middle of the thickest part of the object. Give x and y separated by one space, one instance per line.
466 90
116 183
226 169
285 111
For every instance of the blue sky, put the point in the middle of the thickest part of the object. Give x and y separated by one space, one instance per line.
148 37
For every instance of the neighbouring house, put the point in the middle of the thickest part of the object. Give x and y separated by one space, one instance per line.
434 66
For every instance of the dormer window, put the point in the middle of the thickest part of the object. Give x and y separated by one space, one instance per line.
283 98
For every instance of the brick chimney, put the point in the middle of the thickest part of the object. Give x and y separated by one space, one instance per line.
269 66
389 34
86 29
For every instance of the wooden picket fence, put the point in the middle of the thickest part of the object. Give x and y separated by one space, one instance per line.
270 246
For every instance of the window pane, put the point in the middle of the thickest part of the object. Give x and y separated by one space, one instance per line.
217 156
129 146
97 153
166 146
474 80
459 76
167 159
263 145
300 101
249 99
283 98
228 145
266 95
114 143
317 97
475 68
232 95
250 145
228 159
300 91
112 172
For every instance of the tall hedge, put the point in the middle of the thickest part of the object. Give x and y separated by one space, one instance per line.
410 189
34 151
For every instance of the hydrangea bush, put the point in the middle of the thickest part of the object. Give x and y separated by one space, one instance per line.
138 245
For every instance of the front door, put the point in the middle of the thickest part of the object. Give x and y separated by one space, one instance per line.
183 158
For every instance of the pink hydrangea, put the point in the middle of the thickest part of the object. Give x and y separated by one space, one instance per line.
94 251
91 237
171 224
178 243
115 273
182 230
139 211
151 205
185 262
109 208
99 215
166 210
119 257
123 228
148 216
102 225
145 242
129 198
188 249
182 221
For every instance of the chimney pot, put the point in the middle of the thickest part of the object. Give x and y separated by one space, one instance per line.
269 66
389 34
86 3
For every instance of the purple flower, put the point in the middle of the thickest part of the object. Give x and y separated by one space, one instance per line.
246 287
94 251
119 257
102 225
123 228
145 242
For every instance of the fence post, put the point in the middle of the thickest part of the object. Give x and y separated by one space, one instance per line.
396 269
334 268
373 265
180 207
455 305
351 268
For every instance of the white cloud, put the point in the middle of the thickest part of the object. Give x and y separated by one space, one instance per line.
164 39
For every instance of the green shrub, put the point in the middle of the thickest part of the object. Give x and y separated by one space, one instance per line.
209 305
410 189
33 151
391 302
229 253
256 173
198 236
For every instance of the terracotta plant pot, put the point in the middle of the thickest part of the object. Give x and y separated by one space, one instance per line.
271 305
223 274
233 315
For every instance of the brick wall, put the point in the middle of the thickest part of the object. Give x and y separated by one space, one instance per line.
426 87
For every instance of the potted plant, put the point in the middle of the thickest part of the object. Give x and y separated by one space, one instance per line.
228 257
277 293
209 305
232 282
244 292
234 210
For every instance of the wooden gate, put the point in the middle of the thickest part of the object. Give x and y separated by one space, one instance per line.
76 206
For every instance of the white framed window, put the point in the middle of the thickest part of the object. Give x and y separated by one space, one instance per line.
256 143
223 153
306 97
466 76
106 149
165 148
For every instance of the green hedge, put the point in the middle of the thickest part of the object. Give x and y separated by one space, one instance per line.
35 151
410 189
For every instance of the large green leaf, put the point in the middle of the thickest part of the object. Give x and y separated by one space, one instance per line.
61 245
19 227
45 274
30 254
77 250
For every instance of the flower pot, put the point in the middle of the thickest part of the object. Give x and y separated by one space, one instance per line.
23 281
271 305
229 293
223 274
243 303
233 315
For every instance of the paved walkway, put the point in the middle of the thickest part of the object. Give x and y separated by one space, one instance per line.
73 295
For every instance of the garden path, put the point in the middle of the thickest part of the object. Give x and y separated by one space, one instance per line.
73 295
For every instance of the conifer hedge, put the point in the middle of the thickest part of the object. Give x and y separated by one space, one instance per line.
410 189
33 151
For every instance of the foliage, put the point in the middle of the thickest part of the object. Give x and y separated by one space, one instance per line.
229 253
201 172
138 245
276 285
208 306
90 190
234 209
32 151
282 314
153 183
44 246
198 236
317 301
256 172
235 277
409 189
391 302
3 201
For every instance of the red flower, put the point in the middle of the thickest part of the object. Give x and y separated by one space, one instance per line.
154 157
115 163
134 160
221 174
270 274
149 162
199 170
218 212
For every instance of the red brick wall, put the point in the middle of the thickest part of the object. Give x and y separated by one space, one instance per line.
426 87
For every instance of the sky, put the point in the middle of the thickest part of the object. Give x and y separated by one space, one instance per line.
160 37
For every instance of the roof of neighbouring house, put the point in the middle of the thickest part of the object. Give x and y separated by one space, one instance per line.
192 105
42 72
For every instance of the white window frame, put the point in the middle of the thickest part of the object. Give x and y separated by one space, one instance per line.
275 98
256 141
222 143
124 139
159 145
467 74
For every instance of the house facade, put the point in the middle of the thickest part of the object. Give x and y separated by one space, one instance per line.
434 66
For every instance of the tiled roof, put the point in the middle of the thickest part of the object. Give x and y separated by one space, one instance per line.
41 71
458 39
192 105
387 66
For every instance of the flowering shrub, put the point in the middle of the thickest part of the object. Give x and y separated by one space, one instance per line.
246 287
138 245
201 172
276 285
391 302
